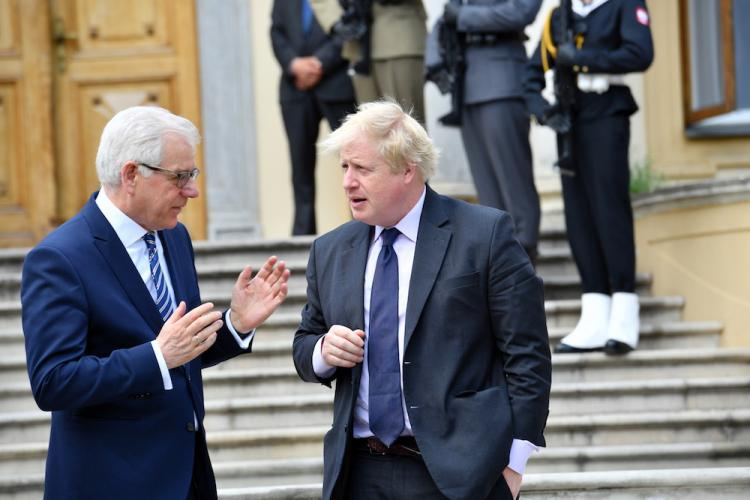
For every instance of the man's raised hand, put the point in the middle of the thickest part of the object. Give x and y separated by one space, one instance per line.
255 298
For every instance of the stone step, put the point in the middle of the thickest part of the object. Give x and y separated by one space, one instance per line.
298 471
691 484
216 278
639 456
623 396
11 260
656 364
667 335
237 254
731 483
560 313
576 399
251 380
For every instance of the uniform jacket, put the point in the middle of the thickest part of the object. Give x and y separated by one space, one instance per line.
476 364
617 40
495 71
88 319
289 41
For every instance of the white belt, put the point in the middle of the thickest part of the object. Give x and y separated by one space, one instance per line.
600 83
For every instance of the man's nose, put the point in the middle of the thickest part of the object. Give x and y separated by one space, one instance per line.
349 180
190 190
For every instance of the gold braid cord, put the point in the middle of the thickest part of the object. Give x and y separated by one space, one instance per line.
548 43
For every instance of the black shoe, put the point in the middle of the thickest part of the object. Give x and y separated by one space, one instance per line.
616 348
569 349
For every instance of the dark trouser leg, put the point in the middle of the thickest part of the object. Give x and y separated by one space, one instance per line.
203 484
379 477
600 198
496 139
335 112
301 121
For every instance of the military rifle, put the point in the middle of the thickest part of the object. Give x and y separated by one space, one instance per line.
565 87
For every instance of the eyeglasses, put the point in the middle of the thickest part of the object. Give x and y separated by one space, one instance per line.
180 177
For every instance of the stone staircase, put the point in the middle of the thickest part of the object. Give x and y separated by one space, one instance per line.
671 420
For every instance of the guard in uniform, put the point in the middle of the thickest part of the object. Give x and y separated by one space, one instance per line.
613 38
494 121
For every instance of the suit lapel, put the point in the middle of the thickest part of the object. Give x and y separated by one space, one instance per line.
110 246
176 275
432 243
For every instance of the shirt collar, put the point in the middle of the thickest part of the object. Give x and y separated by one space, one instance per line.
128 230
409 224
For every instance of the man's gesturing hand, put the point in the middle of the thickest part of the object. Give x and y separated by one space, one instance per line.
255 298
184 337
343 347
514 480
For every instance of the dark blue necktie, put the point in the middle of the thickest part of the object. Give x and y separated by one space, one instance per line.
386 414
307 15
163 300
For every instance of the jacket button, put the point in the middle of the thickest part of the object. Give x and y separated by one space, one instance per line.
190 427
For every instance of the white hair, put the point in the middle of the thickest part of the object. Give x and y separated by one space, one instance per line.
136 134
399 138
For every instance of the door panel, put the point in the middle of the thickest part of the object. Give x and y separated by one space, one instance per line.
112 54
26 175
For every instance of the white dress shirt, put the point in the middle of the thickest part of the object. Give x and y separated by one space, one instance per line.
404 245
131 235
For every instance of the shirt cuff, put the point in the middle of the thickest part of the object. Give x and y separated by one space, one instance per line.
244 343
520 451
320 367
166 378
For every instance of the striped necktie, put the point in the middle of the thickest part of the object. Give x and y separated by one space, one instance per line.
163 300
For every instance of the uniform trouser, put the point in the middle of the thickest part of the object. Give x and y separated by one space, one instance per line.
302 121
401 78
496 138
598 214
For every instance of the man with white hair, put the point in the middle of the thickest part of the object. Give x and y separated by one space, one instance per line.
429 316
116 333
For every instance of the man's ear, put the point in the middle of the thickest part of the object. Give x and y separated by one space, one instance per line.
410 172
129 175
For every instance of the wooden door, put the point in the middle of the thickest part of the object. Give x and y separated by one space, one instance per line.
109 55
27 195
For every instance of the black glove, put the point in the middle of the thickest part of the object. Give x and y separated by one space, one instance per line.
556 119
450 14
441 77
566 55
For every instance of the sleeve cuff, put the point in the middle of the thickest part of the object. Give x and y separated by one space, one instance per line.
247 339
165 376
520 451
320 367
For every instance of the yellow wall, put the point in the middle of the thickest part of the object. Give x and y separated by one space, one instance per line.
701 253
274 169
670 151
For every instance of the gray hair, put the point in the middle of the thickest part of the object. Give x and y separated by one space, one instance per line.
136 134
398 137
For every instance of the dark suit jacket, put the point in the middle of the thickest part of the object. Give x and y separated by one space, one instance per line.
88 319
289 42
476 369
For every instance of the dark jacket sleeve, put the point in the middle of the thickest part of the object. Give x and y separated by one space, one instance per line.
282 46
312 326
534 83
635 53
516 302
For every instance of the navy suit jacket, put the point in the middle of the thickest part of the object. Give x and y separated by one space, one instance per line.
88 319
476 366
